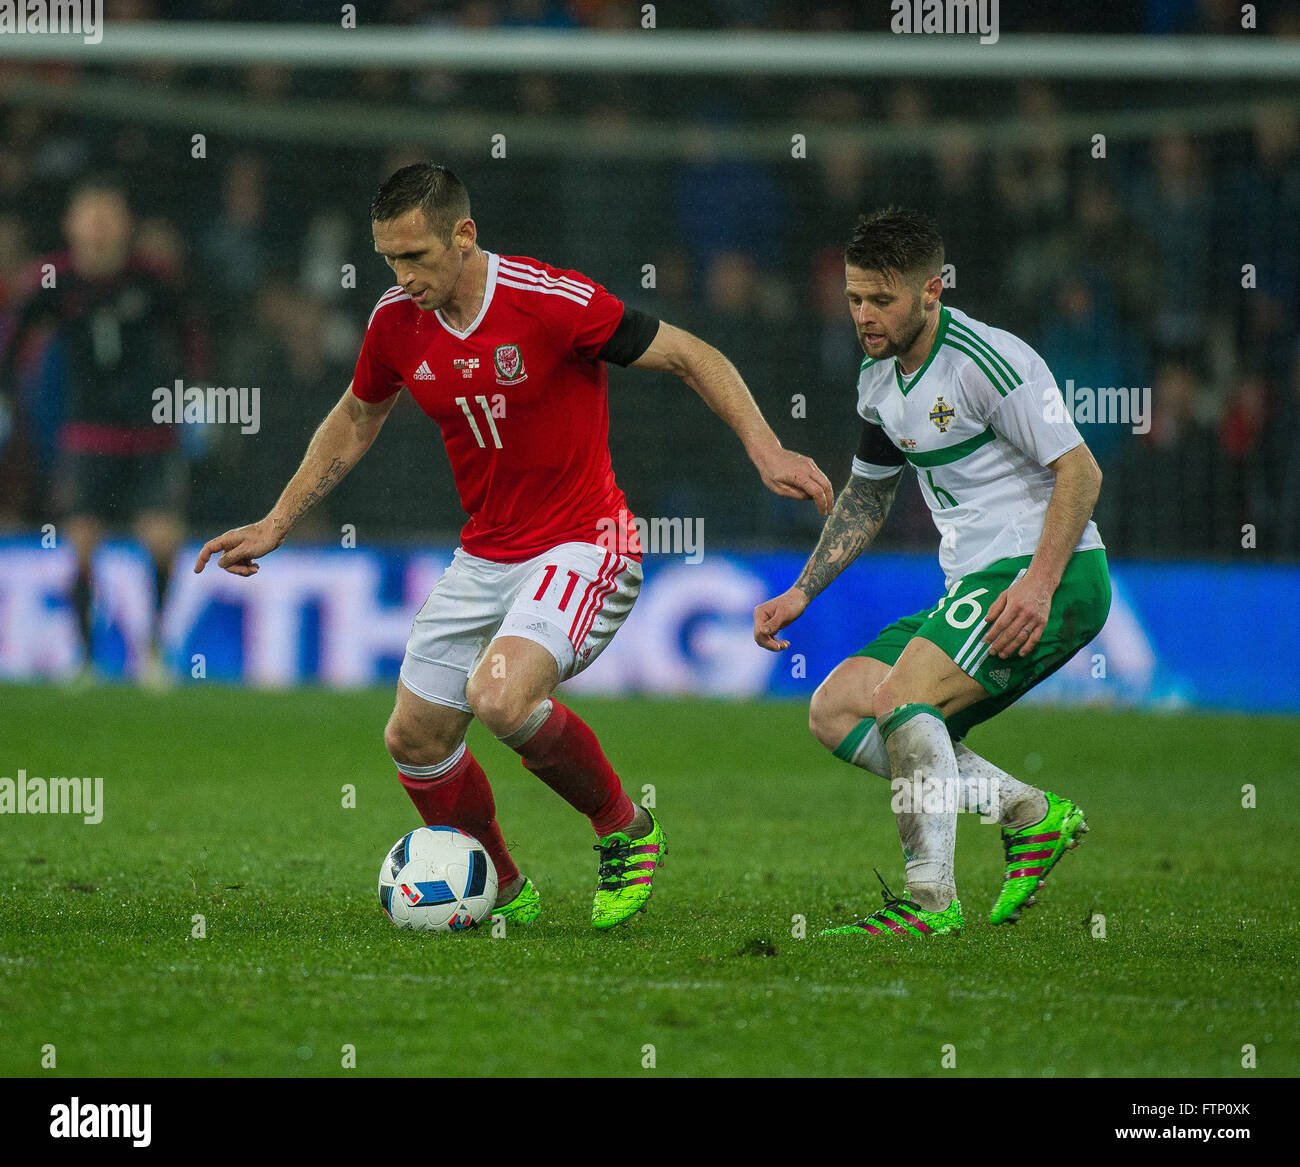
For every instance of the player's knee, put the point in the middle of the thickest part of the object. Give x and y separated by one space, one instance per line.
823 722
885 698
409 747
500 708
401 745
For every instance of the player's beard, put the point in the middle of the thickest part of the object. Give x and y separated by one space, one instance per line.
893 347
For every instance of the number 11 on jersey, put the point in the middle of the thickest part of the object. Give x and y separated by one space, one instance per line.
463 402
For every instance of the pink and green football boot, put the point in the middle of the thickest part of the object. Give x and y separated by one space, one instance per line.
901 917
627 870
1032 852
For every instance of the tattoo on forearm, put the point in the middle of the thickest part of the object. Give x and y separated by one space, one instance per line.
328 481
859 514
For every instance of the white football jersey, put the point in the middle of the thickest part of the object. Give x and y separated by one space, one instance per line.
980 420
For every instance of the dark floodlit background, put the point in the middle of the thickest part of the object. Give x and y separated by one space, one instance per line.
1125 271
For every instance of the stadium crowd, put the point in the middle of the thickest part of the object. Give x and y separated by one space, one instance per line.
1171 267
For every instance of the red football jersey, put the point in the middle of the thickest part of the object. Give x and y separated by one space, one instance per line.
521 400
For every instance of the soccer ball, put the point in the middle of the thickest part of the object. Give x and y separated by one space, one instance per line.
437 879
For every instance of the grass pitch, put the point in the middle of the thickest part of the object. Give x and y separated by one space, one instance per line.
229 805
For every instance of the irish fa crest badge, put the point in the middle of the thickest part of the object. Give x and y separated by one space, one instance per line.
942 415
510 364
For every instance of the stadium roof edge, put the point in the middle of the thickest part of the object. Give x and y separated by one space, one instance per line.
1013 56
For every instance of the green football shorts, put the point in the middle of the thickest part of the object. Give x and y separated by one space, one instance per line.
956 624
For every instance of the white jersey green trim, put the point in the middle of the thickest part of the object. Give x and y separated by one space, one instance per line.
992 364
978 422
951 453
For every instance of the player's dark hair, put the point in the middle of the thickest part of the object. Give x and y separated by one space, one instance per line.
898 243
434 189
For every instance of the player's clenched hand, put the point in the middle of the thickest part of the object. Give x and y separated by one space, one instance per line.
240 547
773 615
794 475
1018 617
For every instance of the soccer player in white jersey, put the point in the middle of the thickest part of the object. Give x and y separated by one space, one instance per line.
1011 487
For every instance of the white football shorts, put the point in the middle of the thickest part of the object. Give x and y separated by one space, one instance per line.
570 600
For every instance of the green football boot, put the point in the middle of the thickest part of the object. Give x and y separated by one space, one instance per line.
523 909
627 871
1032 852
900 917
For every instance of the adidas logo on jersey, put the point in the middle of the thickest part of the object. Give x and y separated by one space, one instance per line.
424 373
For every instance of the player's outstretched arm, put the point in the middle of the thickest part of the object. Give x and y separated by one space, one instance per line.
346 433
716 380
1019 615
857 518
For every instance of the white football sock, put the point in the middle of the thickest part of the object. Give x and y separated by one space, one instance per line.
983 788
871 754
994 793
925 803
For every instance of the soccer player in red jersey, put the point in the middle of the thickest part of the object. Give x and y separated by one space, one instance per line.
507 355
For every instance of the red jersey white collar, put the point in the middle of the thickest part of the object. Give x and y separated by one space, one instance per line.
488 289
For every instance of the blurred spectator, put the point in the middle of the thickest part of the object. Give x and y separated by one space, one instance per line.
1174 206
721 486
1259 221
1104 236
325 249
912 168
15 256
160 243
1034 182
281 348
844 184
1086 347
1243 433
1172 481
121 331
728 204
18 459
835 343
962 182
234 248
